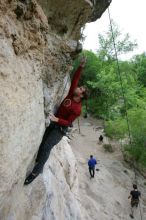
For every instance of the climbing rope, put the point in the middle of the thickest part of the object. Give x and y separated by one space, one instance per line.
119 75
123 94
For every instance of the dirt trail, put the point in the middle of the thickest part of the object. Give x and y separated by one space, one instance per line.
106 196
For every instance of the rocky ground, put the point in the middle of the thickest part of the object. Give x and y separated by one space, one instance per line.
106 196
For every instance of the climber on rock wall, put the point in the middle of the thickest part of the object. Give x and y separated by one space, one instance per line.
68 111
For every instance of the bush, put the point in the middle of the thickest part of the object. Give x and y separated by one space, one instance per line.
108 148
137 153
116 128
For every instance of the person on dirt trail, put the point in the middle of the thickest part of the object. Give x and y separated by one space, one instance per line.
91 164
134 196
68 111
100 139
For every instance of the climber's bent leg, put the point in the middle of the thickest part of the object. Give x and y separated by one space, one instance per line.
54 138
46 134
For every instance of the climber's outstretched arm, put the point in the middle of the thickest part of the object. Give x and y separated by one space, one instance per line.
76 77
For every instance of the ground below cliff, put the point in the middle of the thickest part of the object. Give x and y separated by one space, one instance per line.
106 196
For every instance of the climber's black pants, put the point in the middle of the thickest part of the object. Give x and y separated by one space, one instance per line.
92 171
52 136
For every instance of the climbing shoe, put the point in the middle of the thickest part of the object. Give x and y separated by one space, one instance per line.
30 178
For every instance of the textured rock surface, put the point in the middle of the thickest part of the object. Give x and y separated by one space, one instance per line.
67 17
34 52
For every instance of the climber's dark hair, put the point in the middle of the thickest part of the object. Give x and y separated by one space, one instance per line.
91 156
85 93
134 186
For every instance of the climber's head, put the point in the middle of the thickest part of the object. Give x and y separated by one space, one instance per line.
80 92
134 186
91 156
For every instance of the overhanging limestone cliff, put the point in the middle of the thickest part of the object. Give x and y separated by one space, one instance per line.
67 17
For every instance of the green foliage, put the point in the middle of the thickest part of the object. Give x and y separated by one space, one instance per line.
108 148
137 119
139 62
116 128
138 154
123 43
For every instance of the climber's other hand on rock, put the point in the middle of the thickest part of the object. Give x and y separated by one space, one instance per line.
53 118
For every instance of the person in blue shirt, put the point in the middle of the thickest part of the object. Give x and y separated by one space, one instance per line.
91 164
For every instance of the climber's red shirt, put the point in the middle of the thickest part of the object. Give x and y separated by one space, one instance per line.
69 110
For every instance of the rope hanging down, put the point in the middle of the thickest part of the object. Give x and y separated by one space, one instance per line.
123 94
119 75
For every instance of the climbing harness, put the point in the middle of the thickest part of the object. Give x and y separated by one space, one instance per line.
124 98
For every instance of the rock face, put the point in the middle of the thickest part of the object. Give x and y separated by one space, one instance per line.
35 49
